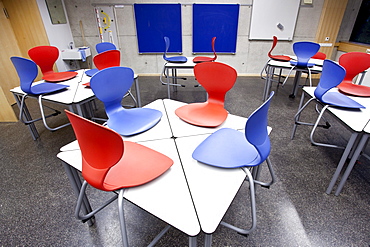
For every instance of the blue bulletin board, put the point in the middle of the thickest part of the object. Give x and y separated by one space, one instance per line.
215 20
153 23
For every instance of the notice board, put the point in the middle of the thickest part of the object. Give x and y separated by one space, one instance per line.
215 20
153 23
273 18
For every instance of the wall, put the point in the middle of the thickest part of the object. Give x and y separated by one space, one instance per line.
250 56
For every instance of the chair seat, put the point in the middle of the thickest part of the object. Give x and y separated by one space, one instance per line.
177 59
227 148
340 100
129 122
91 72
133 168
59 76
295 64
202 114
203 59
280 58
354 89
44 88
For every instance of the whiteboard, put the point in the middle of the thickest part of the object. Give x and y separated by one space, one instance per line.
273 18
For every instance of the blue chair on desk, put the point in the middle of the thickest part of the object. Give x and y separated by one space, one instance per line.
228 148
27 73
110 85
304 51
101 47
332 75
173 59
111 164
105 46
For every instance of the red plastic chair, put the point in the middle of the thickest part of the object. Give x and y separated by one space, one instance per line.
319 55
201 59
354 63
281 58
106 59
45 57
111 164
216 78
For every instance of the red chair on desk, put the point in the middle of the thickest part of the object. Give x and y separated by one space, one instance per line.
201 59
111 164
354 63
45 57
27 72
281 58
101 47
216 78
319 55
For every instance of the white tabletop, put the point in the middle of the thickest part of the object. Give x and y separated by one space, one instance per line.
213 189
355 119
287 65
181 128
189 64
168 196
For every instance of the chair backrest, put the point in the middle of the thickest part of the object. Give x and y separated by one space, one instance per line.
216 78
354 63
213 48
106 59
167 44
319 55
110 85
100 146
274 42
45 57
27 72
304 51
332 74
105 46
256 130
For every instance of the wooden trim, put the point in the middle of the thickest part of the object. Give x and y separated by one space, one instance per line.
353 47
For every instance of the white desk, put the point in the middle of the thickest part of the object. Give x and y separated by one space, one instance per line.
190 196
273 64
354 120
74 97
174 67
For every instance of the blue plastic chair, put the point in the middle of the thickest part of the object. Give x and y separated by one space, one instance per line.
101 47
105 46
229 148
27 73
304 51
332 75
110 85
174 59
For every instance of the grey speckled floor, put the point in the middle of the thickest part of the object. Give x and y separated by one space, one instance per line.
37 202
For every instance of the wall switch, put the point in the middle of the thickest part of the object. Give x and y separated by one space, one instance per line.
307 1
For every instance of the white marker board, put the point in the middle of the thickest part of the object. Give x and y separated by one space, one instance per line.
273 18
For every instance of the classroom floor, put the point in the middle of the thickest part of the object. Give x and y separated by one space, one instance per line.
37 202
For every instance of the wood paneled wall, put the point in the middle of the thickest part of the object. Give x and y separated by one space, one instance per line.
330 21
23 30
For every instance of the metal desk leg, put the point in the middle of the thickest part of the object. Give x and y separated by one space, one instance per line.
297 77
193 241
266 90
342 161
207 240
168 84
137 89
352 163
76 186
31 126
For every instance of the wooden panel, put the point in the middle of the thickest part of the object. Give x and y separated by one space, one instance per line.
6 113
351 47
8 76
27 24
330 21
